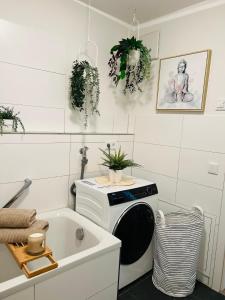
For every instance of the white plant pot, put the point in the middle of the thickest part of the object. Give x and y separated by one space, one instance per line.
134 57
115 176
8 125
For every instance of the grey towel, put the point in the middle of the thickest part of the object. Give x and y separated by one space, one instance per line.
17 235
17 218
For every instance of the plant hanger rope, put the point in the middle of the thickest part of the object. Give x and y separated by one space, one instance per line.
136 23
89 41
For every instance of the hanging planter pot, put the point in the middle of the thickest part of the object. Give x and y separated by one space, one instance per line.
130 61
84 88
134 57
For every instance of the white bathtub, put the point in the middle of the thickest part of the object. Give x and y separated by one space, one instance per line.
88 269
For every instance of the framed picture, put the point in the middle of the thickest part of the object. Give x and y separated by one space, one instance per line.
183 80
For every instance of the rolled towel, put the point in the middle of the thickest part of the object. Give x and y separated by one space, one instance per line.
17 218
18 235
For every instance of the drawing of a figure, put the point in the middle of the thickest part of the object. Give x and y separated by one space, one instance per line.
178 91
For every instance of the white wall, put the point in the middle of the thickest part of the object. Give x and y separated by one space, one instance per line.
178 147
39 40
52 162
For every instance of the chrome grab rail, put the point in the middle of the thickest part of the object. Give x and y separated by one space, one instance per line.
27 183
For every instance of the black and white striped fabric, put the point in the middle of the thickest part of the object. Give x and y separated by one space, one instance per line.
177 240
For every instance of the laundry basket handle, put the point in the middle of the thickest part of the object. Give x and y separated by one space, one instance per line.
161 217
198 209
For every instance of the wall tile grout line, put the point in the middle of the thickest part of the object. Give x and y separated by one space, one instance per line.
178 165
222 209
184 180
181 205
178 147
68 133
32 68
69 172
64 108
29 105
35 143
35 179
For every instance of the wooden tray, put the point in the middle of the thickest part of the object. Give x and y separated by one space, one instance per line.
104 180
21 256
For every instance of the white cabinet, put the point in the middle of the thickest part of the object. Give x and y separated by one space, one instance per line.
83 281
110 294
27 294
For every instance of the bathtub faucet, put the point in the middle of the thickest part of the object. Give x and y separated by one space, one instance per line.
84 160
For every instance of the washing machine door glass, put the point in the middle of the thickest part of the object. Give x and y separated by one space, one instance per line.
135 229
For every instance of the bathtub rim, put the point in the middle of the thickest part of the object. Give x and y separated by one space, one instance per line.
107 243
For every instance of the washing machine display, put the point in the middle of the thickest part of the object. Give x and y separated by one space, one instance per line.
132 194
135 229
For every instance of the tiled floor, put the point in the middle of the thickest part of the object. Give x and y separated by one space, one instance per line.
143 289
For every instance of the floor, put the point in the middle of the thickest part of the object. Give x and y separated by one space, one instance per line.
143 289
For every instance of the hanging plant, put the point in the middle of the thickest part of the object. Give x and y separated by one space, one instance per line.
131 61
85 91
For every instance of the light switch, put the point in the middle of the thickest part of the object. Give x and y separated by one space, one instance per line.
220 105
213 168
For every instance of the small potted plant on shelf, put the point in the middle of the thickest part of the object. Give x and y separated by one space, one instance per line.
9 120
116 161
130 61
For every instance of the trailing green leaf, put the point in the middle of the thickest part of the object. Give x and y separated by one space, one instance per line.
120 68
84 88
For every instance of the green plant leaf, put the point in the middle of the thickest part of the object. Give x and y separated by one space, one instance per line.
133 76
116 160
114 48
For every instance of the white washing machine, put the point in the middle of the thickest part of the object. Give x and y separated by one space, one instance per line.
128 213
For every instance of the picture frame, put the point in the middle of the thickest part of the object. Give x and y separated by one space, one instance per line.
183 82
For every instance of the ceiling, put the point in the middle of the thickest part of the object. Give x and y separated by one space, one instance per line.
146 10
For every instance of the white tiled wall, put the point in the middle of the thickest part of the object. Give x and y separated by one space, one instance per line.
52 162
211 130
29 86
198 172
157 158
198 138
36 58
160 131
34 47
175 151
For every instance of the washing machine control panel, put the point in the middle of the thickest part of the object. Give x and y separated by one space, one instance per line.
132 194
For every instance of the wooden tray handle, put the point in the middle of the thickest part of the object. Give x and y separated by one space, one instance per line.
39 271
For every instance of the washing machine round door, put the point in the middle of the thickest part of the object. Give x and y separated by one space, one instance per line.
135 229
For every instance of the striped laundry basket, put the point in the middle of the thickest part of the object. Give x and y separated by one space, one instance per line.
177 240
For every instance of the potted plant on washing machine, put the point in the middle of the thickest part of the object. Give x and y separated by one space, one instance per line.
9 120
116 161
